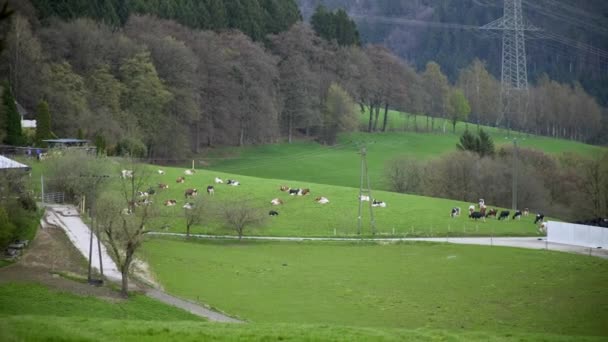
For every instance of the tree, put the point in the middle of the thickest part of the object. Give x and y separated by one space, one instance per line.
468 142
14 135
485 144
123 222
196 214
459 108
437 87
240 215
405 175
481 90
335 26
5 12
43 123
339 114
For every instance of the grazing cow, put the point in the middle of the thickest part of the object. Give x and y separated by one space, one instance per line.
455 212
273 213
126 174
482 209
322 200
276 201
188 206
364 198
542 228
504 214
526 212
295 192
477 215
218 180
142 194
284 188
492 212
210 190
376 203
163 186
189 172
180 179
304 192
190 193
539 218
471 209
517 215
170 203
233 182
161 172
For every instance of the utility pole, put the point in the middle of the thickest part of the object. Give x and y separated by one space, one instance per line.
365 191
514 75
514 188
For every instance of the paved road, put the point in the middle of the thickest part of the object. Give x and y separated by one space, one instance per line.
67 218
520 242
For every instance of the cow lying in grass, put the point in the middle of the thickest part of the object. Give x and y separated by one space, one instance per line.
180 179
218 180
170 203
163 186
276 201
233 182
189 172
190 193
161 172
380 204
126 174
299 192
284 188
273 213
322 200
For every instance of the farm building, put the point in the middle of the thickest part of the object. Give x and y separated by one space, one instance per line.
7 164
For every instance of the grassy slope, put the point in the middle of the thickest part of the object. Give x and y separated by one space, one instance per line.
340 164
302 216
406 286
34 299
36 328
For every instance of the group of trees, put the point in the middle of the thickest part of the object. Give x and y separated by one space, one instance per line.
157 88
570 187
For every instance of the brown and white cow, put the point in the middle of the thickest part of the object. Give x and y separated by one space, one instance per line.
284 188
190 193
276 201
180 179
322 200
163 186
170 203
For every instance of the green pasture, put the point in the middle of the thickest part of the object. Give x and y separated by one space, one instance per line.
411 286
48 328
404 216
23 299
340 164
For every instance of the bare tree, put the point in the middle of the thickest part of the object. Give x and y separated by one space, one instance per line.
195 213
123 220
240 215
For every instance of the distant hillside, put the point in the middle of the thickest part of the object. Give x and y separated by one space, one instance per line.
453 49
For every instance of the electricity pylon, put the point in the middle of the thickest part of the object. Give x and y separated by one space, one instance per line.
514 74
365 191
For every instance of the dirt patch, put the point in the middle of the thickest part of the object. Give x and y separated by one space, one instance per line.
49 255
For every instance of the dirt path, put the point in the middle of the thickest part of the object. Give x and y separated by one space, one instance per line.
190 307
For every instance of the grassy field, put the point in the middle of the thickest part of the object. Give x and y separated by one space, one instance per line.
405 215
37 328
22 299
340 164
411 286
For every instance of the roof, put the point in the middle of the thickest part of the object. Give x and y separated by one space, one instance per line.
6 163
65 141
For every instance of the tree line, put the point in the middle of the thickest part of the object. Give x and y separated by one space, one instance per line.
160 89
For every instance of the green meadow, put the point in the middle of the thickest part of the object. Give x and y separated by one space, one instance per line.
340 164
404 216
411 286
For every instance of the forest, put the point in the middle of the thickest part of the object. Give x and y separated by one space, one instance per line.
170 86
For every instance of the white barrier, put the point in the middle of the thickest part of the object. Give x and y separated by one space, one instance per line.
577 234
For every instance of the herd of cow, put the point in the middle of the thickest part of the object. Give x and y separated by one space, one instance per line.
481 212
192 192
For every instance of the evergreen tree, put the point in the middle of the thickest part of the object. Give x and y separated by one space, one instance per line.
43 123
468 142
335 26
14 135
485 144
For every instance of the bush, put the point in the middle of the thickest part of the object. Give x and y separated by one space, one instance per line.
131 147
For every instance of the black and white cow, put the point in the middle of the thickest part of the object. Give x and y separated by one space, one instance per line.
517 215
273 213
504 214
455 212
539 218
477 215
210 190
233 182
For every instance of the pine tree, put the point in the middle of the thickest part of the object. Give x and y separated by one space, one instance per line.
486 144
43 123
14 135
468 142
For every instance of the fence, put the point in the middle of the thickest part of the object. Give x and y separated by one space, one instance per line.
577 234
54 197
